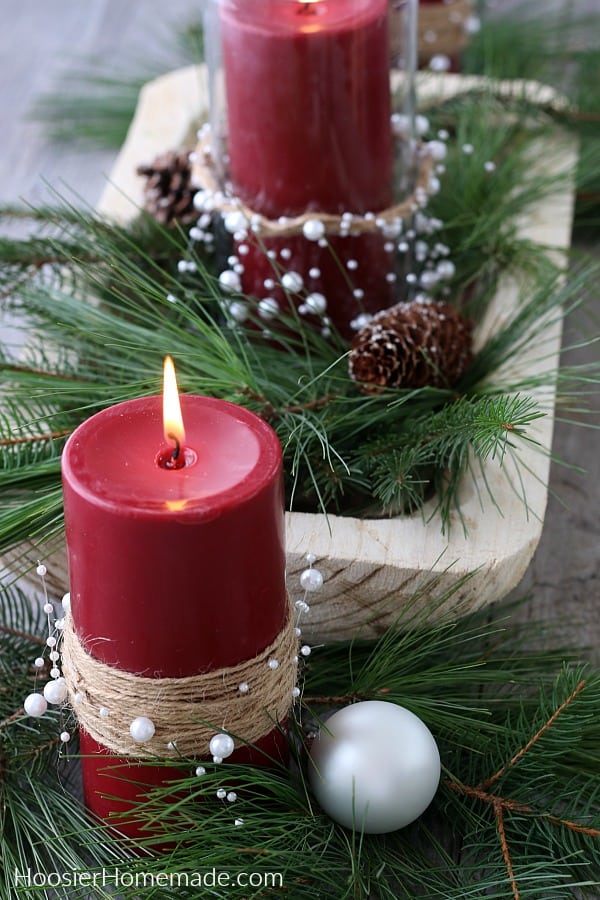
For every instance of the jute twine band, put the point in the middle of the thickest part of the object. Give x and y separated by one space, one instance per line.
186 712
204 175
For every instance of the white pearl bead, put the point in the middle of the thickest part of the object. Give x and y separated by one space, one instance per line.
104 712
221 794
305 651
232 796
293 282
48 608
446 269
56 691
142 729
311 559
313 230
238 311
360 321
54 655
285 253
221 745
66 601
273 664
41 570
437 150
244 687
79 697
268 308
234 221
421 125
51 641
39 662
296 692
218 760
311 580
314 272
238 822
439 63
352 264
429 279
230 281
172 745
472 25
35 705
376 767
269 284
54 672
358 294
200 771
65 737
316 303
401 124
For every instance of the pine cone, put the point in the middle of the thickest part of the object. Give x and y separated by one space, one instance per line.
168 192
412 345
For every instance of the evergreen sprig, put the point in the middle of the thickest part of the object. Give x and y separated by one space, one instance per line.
117 294
517 813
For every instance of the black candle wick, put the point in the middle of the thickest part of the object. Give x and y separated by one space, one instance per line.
306 8
176 449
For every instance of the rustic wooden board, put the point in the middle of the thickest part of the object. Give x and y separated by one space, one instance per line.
373 567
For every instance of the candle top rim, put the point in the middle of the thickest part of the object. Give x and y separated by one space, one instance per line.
324 16
244 460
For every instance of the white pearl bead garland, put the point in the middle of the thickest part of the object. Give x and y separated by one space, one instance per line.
292 282
35 705
142 729
221 746
311 580
55 691
313 230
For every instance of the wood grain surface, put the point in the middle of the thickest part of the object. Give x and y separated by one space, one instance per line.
41 41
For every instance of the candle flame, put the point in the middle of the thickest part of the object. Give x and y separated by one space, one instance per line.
172 418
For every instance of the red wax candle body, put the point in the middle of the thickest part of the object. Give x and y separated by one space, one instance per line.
308 111
173 572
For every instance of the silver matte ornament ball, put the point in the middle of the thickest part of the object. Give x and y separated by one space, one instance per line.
374 766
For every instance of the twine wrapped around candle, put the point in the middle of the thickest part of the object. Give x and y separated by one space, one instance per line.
188 711
205 176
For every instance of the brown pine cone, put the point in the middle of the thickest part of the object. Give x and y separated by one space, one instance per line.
168 192
412 345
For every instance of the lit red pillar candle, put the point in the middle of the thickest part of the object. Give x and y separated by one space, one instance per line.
308 123
176 559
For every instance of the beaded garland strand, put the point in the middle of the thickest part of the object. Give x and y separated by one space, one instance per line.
281 659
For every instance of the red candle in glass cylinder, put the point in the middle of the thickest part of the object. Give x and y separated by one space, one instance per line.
308 119
177 567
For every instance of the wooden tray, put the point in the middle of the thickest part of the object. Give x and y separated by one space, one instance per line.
373 568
